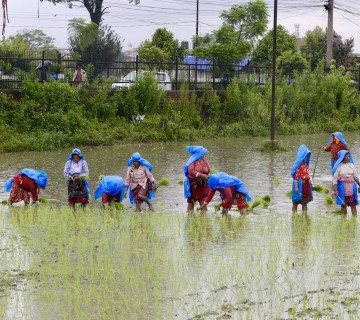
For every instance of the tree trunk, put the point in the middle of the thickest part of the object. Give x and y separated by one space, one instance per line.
95 10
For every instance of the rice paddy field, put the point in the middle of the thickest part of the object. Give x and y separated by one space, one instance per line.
169 264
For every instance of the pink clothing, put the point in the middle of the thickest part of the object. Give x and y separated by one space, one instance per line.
348 185
139 176
227 194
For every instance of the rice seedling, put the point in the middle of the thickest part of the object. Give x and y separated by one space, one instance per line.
181 182
289 194
256 203
117 206
266 198
164 182
4 202
160 203
44 200
213 170
321 189
337 211
101 177
84 177
329 199
277 180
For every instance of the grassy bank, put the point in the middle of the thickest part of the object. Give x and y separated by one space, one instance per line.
56 115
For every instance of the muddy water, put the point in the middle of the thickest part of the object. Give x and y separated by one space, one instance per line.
264 264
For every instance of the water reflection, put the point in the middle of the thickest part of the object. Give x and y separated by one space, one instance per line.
300 229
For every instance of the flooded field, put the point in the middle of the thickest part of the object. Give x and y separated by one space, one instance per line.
174 265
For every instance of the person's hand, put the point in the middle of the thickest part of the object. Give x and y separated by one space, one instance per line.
322 147
156 186
125 195
296 190
36 203
336 193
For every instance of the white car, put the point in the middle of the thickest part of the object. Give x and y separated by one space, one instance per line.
164 81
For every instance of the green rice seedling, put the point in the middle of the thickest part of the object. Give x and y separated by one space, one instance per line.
266 198
289 194
264 203
277 180
321 189
256 203
84 177
164 182
213 170
337 211
181 182
329 199
44 200
160 203
118 206
101 177
4 202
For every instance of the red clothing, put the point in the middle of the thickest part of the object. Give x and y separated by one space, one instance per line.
229 196
78 75
335 148
198 187
106 198
28 184
302 172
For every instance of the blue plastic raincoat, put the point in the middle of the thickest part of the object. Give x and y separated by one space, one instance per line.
82 158
221 180
340 199
197 152
110 185
39 177
136 157
341 138
302 153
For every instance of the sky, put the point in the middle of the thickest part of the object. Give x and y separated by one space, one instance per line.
136 23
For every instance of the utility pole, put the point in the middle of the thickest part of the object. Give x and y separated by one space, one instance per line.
330 33
273 74
197 33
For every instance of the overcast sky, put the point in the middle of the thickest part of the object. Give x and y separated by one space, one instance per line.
136 23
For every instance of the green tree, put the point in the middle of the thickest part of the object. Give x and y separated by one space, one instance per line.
162 48
228 45
99 46
314 45
290 63
94 7
36 38
262 54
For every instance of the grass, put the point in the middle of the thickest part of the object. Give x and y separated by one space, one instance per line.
164 182
165 265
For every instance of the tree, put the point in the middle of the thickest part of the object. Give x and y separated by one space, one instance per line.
94 7
36 38
314 47
98 45
290 63
230 44
262 54
162 48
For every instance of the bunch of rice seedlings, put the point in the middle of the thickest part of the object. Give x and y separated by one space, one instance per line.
118 205
160 203
181 182
266 198
164 182
213 170
321 189
277 180
289 194
4 202
329 200
337 211
256 203
44 200
84 177
101 177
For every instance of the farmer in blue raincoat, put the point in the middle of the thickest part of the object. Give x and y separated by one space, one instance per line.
344 178
197 172
25 183
302 188
336 144
111 189
140 181
232 192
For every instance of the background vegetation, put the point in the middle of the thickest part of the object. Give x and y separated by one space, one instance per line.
55 114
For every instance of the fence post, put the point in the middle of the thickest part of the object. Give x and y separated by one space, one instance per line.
213 74
359 80
137 65
176 73
189 67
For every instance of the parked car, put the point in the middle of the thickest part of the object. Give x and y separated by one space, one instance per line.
164 81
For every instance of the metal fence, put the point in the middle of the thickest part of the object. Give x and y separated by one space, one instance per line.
16 68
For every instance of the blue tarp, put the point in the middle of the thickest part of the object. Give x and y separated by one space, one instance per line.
197 152
340 200
110 185
221 180
204 64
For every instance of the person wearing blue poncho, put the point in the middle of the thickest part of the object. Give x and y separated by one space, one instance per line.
27 181
344 178
140 181
232 189
111 189
336 144
302 188
196 171
76 171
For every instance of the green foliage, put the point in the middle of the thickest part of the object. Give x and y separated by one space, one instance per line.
290 63
164 182
36 39
329 199
263 52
